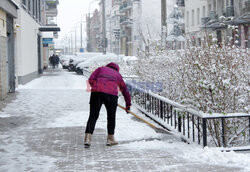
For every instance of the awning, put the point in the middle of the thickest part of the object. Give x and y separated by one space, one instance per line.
49 29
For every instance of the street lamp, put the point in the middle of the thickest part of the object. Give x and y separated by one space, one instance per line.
81 35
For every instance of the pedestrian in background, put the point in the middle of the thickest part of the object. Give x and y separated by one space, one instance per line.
56 60
104 83
52 60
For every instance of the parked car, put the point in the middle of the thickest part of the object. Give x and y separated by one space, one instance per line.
99 59
80 57
64 60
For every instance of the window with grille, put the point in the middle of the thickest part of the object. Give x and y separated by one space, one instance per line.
192 17
198 16
29 5
24 2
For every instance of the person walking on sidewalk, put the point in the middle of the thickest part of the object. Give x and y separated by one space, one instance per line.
104 82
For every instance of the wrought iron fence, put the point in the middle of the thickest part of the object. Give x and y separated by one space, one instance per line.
195 126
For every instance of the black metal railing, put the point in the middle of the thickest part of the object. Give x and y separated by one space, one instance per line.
193 125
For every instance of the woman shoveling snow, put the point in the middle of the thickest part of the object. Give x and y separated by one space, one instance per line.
104 82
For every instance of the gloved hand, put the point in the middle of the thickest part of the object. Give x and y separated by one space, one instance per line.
127 109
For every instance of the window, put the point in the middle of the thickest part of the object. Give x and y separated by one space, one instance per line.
198 16
24 2
214 5
29 5
192 17
187 19
209 8
204 11
34 7
39 10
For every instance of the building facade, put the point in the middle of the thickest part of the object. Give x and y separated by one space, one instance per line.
134 25
8 13
21 57
212 17
94 37
194 11
49 14
28 40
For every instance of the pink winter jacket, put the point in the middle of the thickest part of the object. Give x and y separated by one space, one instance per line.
107 79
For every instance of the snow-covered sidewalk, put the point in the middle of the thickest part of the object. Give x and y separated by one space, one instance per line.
43 130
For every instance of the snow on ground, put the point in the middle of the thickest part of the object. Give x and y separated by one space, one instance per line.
53 82
194 153
141 136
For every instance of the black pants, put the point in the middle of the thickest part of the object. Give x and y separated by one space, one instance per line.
96 101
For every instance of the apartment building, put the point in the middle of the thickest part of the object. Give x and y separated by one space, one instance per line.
194 11
128 23
94 29
204 17
113 25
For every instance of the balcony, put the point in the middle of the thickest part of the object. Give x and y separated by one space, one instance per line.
51 12
247 6
205 20
123 33
181 3
51 21
126 21
127 5
51 8
213 15
52 3
96 27
229 11
117 2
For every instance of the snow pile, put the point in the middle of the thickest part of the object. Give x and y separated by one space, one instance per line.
211 156
216 157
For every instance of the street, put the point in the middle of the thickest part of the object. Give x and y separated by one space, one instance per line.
42 129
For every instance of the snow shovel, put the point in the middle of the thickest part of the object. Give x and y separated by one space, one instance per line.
159 130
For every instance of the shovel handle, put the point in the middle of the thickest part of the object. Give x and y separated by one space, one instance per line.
151 125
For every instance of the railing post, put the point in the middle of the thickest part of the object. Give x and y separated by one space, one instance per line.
198 125
193 128
204 131
249 129
223 132
188 125
179 122
161 109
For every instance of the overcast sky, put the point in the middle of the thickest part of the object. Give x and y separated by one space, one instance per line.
70 13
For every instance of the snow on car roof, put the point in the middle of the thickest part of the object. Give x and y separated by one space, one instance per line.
110 57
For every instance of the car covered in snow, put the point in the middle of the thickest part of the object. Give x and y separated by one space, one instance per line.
95 61
64 60
78 58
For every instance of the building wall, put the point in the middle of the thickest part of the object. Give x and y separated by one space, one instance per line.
195 10
3 54
27 53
